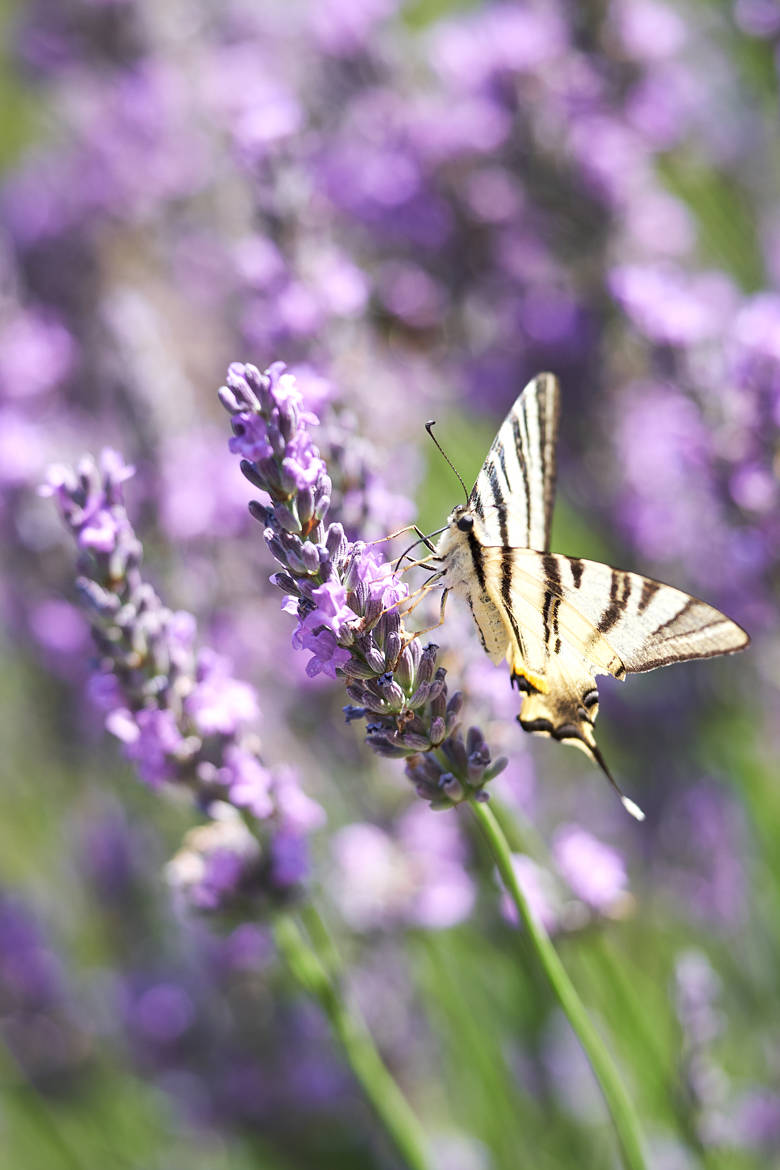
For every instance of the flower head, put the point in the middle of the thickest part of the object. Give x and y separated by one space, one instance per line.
181 715
346 599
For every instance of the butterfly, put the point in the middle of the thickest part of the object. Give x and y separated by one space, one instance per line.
560 621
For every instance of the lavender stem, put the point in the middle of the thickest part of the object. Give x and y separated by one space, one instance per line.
349 1027
16 1085
605 1071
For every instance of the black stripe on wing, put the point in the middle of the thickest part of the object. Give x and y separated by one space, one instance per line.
515 490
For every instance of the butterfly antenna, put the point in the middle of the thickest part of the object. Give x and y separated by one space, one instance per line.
429 428
628 804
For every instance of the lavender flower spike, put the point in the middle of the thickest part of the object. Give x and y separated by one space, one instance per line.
345 597
181 716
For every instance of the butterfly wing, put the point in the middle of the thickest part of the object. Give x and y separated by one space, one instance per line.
515 490
616 621
566 710
570 619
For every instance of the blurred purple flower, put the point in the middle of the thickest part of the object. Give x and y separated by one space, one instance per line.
540 890
217 860
674 307
758 18
648 30
163 1012
700 856
757 1121
413 875
218 703
200 493
152 741
595 873
39 1023
37 355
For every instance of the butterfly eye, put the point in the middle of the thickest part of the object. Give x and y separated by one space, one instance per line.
465 523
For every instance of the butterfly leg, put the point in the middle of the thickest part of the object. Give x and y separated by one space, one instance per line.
393 535
418 593
425 563
430 629
421 537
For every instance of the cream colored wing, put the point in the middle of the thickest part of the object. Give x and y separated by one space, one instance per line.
515 490
615 620
569 619
490 625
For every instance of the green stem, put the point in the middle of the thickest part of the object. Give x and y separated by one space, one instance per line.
14 1082
348 1025
322 941
617 1100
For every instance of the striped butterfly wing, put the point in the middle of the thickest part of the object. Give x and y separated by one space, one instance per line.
570 619
619 622
515 490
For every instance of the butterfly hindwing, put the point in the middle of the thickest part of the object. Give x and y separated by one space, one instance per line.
567 709
515 490
569 619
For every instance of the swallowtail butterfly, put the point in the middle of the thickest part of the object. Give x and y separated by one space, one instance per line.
560 621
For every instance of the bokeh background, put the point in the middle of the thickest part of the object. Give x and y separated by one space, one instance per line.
417 206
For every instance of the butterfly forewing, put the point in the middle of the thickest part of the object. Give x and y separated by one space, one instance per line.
515 490
597 610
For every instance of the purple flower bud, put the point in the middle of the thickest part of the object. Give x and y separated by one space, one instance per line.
322 505
286 519
496 768
415 741
285 582
304 504
263 516
392 693
455 751
384 748
375 659
451 787
357 668
336 544
438 730
228 400
392 649
438 694
250 472
372 612
310 557
427 663
420 696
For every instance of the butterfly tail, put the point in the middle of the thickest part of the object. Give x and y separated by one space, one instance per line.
633 809
567 712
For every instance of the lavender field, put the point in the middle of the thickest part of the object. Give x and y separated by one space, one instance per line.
283 887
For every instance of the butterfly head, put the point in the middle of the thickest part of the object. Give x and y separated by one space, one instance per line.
454 543
461 519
